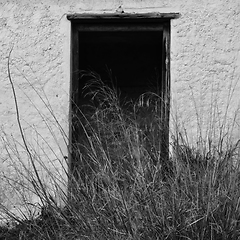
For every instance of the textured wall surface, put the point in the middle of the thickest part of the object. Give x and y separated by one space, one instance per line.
205 67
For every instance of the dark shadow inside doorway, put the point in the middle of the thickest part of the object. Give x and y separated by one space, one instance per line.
132 61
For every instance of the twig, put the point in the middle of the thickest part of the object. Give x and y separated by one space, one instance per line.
20 127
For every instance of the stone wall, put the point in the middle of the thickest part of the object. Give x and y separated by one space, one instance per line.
205 68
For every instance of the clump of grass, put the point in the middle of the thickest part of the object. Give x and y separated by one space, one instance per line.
118 190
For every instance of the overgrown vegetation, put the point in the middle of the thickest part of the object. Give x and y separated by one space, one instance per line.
118 190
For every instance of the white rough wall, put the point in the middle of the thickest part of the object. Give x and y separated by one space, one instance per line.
205 63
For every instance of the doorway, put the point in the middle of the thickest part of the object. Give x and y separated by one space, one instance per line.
132 56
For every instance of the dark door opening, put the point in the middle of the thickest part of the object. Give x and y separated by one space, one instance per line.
136 51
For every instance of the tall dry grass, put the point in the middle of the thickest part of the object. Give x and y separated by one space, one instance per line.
117 187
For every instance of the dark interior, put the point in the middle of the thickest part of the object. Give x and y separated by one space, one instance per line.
133 58
134 61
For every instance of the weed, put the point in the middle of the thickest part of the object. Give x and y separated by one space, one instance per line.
116 186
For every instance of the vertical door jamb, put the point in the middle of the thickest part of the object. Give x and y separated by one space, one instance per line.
74 101
165 96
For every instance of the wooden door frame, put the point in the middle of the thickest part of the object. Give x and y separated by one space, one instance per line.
121 22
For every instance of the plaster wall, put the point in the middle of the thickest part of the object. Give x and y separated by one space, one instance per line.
205 69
